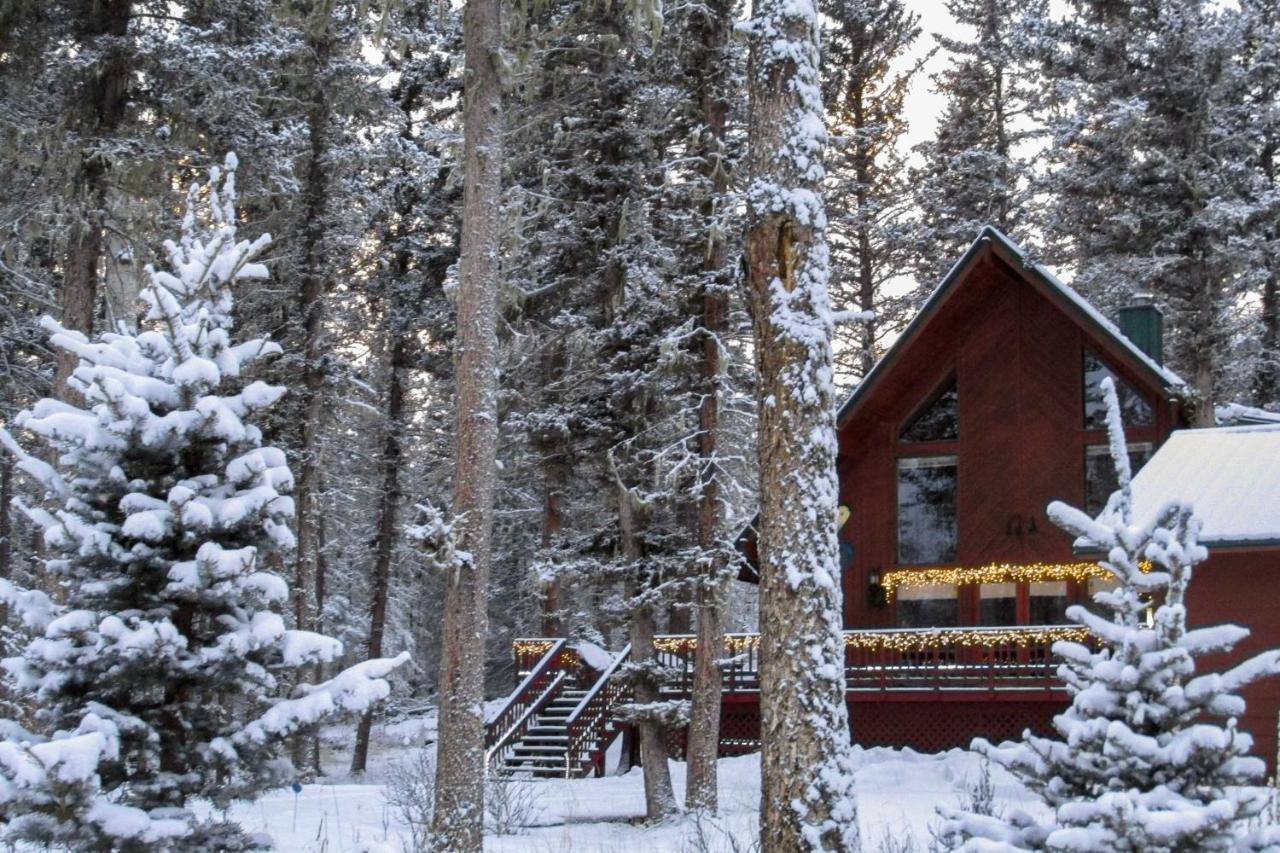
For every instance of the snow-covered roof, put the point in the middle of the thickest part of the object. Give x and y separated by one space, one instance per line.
1235 414
1230 475
1068 299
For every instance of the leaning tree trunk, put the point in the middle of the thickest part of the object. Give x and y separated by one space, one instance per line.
806 786
704 722
458 823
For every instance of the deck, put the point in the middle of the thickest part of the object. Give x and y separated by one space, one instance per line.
995 680
1009 660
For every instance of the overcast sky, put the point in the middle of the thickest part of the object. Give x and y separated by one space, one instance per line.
923 105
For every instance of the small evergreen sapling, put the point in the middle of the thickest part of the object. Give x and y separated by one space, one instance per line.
1140 762
155 675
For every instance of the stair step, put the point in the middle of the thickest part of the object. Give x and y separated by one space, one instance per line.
523 746
534 763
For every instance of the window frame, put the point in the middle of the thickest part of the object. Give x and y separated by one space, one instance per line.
1122 380
943 459
949 380
1101 449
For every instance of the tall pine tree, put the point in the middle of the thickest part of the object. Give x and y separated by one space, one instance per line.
868 196
1149 179
975 172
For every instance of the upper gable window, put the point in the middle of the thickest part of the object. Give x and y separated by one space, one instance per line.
938 419
1134 408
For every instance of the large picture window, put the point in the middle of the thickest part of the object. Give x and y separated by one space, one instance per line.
927 531
1100 472
928 606
1133 407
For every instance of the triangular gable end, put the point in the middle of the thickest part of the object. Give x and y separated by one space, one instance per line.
1114 345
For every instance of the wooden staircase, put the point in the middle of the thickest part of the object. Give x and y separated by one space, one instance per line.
558 722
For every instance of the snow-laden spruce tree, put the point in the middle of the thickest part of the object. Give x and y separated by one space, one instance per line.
1148 756
155 673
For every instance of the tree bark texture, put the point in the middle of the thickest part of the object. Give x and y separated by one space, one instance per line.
659 795
6 517
703 748
458 822
102 107
807 798
309 398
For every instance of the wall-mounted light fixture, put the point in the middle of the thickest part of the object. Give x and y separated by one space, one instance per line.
876 596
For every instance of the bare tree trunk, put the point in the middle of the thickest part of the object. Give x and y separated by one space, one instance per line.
389 506
806 787
458 822
102 107
311 306
1267 381
309 404
659 796
551 447
704 723
703 747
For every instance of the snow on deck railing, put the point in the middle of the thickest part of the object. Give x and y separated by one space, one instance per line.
909 639
585 725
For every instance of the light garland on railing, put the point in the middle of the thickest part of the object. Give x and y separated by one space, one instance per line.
994 573
533 648
909 640
920 640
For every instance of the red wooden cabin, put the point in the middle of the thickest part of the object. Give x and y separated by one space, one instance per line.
955 584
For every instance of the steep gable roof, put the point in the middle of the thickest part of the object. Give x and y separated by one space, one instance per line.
992 240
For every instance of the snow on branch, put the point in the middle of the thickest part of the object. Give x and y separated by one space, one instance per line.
352 691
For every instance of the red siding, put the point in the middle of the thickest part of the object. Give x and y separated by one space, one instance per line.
1017 359
1234 585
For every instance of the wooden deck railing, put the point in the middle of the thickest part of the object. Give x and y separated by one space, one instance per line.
899 660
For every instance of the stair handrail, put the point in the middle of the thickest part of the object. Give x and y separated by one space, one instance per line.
520 727
533 687
577 729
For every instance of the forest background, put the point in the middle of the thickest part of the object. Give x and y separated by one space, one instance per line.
1132 147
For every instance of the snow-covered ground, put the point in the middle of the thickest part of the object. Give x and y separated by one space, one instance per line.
898 793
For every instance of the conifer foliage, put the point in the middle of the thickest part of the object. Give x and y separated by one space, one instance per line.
1140 762
157 669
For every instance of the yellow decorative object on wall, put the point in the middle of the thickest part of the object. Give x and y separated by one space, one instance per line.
844 516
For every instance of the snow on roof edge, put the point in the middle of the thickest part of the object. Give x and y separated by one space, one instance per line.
1237 414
